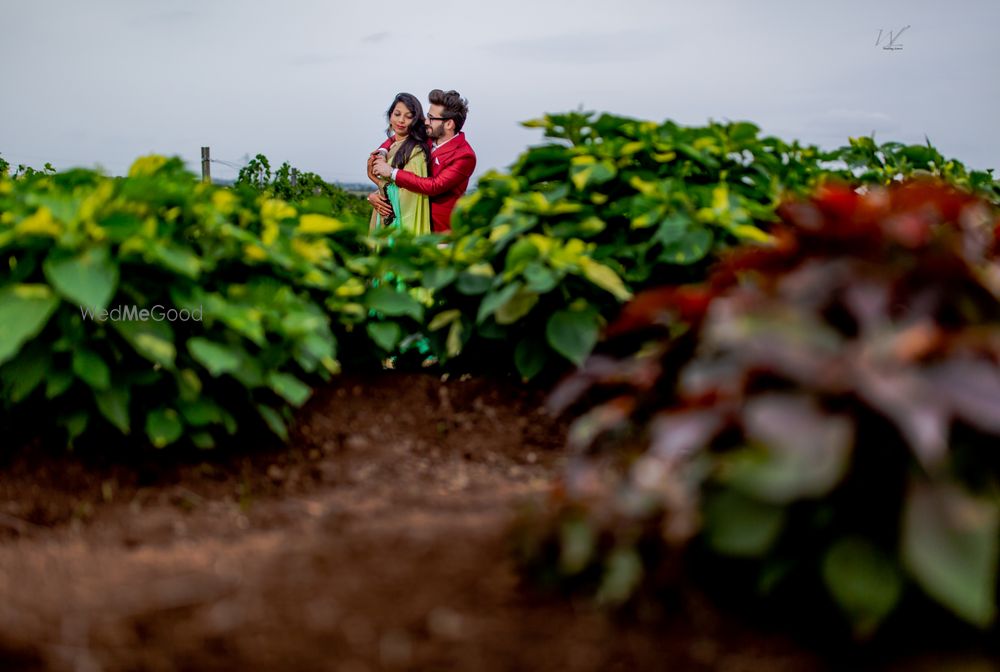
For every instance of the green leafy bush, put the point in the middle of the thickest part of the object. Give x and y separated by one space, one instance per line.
654 200
544 256
519 303
256 278
541 260
868 162
305 186
22 170
819 420
613 205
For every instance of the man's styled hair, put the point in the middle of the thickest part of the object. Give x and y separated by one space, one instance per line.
455 107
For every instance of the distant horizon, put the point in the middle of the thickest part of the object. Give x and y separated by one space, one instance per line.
195 165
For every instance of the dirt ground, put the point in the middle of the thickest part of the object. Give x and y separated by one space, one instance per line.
376 542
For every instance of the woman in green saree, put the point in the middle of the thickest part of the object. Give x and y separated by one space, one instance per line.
407 150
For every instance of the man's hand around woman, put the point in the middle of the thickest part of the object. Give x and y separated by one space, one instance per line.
380 203
371 170
382 168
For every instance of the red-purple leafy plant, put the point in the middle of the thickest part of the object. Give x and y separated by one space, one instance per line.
823 415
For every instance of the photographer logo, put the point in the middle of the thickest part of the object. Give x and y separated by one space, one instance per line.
157 313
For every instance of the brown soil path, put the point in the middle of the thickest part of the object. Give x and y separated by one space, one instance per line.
375 542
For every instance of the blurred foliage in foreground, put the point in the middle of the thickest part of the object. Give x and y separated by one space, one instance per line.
818 421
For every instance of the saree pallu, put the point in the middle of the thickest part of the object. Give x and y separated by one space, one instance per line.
412 211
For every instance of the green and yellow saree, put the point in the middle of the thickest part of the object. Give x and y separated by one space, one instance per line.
413 211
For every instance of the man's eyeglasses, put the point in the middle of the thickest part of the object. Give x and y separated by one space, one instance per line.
431 117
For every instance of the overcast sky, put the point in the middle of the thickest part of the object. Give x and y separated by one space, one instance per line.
100 82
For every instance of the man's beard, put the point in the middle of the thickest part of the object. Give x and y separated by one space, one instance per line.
435 133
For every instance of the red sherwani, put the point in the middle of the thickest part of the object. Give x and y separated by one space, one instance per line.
452 164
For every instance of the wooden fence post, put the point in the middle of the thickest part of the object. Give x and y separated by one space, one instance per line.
206 171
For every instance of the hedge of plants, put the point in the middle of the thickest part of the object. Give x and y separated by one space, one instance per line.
815 424
237 329
294 186
290 287
611 205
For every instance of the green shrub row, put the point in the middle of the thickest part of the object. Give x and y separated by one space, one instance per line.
251 274
303 186
611 205
291 287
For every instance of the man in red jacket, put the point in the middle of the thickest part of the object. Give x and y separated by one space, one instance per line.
452 160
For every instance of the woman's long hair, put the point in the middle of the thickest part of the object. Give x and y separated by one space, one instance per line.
417 137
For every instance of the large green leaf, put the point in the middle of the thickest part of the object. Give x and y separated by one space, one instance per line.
587 171
75 424
529 358
740 526
318 345
91 369
200 412
622 576
605 278
151 339
203 440
163 427
577 543
392 303
177 259
521 254
673 228
274 421
24 311
494 300
215 357
251 372
437 278
385 334
693 246
444 318
301 323
473 283
572 333
289 388
88 279
57 382
950 544
242 318
120 226
742 131
455 342
864 581
21 376
516 307
189 385
113 403
540 277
